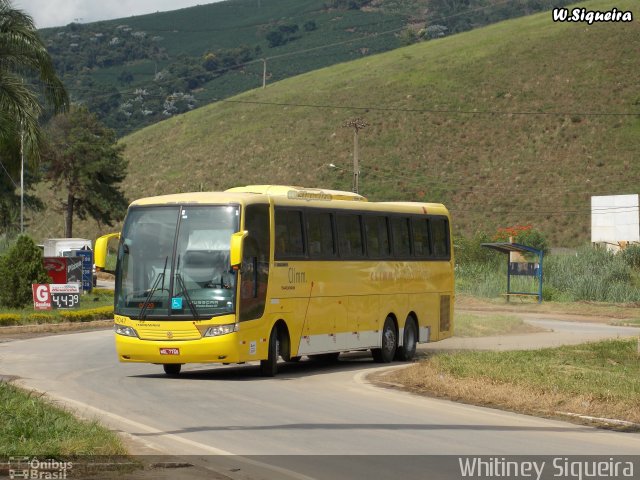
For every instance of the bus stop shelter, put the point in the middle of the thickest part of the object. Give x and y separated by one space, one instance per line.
529 269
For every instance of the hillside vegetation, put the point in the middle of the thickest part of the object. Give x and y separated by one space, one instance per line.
515 123
139 70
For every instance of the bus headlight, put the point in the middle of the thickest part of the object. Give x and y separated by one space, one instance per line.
218 330
126 331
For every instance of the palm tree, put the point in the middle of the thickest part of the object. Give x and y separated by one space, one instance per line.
27 75
24 58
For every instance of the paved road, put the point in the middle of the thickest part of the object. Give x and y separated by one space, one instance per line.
557 333
309 409
103 283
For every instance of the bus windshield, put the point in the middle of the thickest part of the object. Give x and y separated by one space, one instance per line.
173 262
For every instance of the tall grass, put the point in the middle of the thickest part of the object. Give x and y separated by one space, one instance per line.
591 274
31 425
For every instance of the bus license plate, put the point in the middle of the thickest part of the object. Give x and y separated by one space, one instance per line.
169 351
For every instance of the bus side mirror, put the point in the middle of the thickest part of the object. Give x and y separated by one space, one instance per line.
100 251
235 254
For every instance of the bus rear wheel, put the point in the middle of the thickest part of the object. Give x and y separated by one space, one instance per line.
389 343
172 369
269 367
407 351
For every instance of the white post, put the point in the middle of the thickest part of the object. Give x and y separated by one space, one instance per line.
21 181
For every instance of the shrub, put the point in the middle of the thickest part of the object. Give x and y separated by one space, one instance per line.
631 256
469 250
7 319
19 268
100 313
310 26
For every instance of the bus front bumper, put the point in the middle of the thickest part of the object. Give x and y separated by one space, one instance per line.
223 349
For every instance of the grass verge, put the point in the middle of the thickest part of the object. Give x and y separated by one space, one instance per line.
600 379
32 425
469 325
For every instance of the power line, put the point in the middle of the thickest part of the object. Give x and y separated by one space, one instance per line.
432 110
565 187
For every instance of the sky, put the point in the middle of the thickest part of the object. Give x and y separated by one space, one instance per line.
55 13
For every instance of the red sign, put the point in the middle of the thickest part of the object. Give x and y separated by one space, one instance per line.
56 268
41 296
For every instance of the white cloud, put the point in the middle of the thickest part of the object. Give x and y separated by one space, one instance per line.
53 13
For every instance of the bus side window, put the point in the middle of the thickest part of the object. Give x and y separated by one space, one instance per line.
349 236
289 239
440 237
320 234
377 236
420 228
401 237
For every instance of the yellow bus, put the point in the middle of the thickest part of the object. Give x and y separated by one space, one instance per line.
264 272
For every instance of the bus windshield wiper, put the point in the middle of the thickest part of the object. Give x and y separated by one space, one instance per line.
185 292
154 287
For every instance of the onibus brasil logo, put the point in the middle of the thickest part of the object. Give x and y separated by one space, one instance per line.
34 468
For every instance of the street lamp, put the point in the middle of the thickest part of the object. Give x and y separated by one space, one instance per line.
357 124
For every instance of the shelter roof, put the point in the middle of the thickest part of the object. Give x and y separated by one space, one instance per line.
506 247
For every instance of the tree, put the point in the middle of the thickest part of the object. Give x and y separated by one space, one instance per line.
125 77
23 58
23 54
82 158
310 26
10 188
19 268
275 39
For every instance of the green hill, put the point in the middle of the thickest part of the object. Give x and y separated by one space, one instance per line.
516 123
139 70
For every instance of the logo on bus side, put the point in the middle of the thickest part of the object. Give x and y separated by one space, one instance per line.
296 276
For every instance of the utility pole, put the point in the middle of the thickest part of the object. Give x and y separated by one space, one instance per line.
264 72
357 124
21 179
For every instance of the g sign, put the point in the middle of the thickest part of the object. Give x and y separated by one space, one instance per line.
41 296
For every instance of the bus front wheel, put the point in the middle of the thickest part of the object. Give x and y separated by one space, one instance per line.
389 343
269 367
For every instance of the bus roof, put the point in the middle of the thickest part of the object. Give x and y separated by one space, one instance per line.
293 196
195 198
299 193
